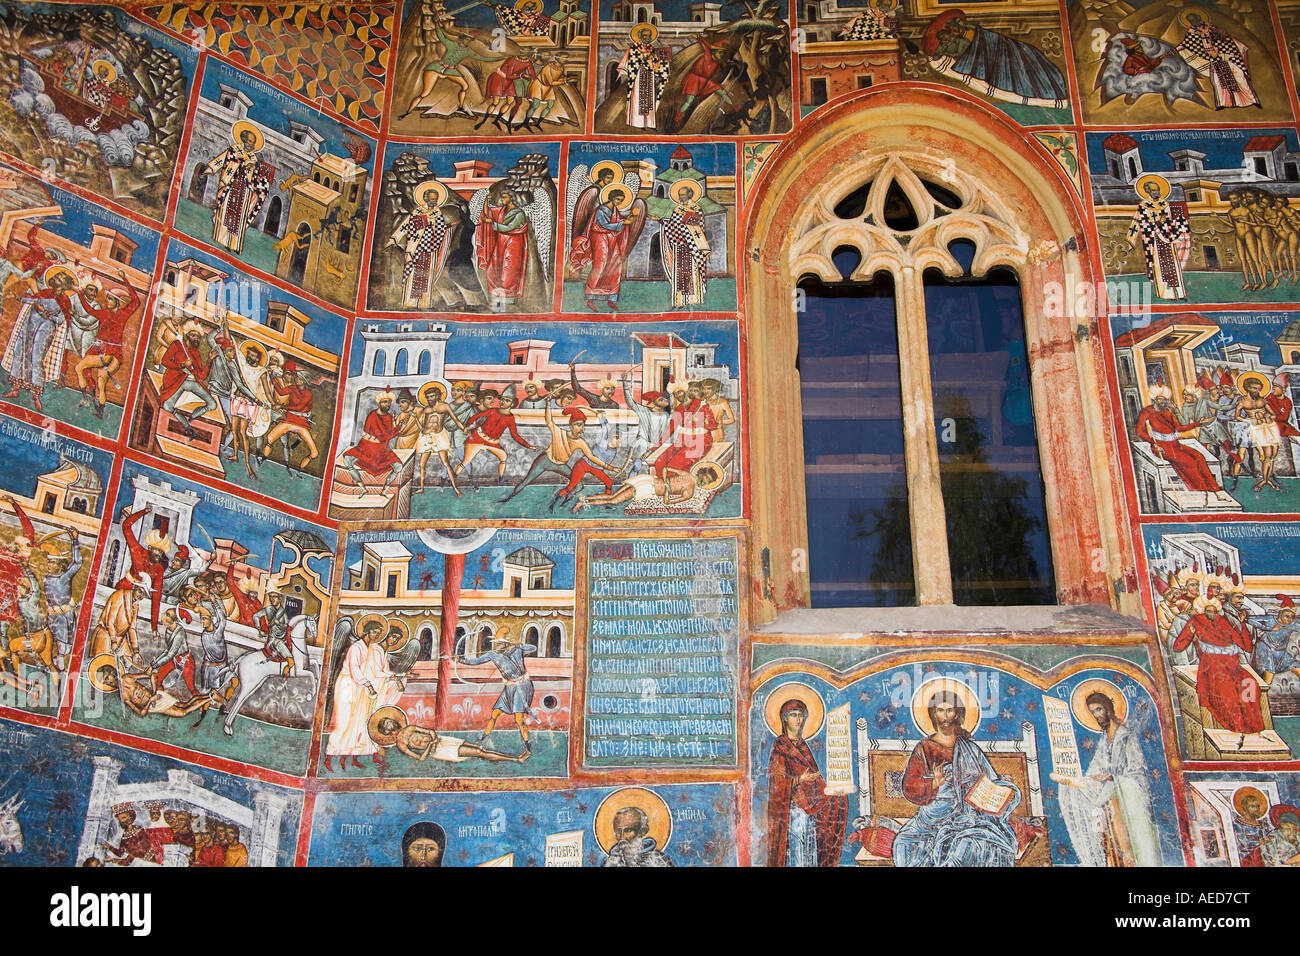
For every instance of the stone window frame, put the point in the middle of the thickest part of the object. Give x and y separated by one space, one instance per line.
1020 210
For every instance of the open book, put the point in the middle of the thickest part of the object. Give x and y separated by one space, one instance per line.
990 796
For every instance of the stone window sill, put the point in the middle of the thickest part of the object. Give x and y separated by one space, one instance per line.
1049 620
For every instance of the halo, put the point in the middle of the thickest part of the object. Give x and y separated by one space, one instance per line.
647 801
795 691
1240 796
430 186
1079 705
1186 14
708 483
1275 815
520 4
427 389
372 725
643 28
606 164
112 70
963 692
237 132
627 204
366 619
1244 377
254 347
57 269
405 639
92 670
686 185
1139 186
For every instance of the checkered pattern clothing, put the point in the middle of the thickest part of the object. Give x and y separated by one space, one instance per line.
523 25
1213 45
689 261
650 66
418 269
870 25
1165 234
244 181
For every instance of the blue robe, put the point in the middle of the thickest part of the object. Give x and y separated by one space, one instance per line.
948 831
1012 66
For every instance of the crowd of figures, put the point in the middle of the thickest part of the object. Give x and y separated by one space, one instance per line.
38 609
1243 420
175 836
661 457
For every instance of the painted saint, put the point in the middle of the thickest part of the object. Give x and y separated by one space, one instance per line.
1163 230
424 237
997 65
1221 58
34 354
645 70
686 247
805 825
242 187
608 218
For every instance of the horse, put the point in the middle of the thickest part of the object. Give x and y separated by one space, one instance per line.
254 668
11 833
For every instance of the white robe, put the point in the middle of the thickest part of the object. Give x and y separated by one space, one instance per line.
363 664
1125 799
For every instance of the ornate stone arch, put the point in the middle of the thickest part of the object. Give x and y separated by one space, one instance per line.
1016 207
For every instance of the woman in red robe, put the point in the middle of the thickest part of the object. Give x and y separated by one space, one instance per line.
796 795
1221 681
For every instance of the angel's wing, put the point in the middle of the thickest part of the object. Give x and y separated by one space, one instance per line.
541 213
343 638
578 181
401 661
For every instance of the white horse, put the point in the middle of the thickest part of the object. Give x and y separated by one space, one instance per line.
11 833
254 668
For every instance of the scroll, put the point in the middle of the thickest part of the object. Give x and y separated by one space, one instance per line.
1066 767
506 860
564 849
839 751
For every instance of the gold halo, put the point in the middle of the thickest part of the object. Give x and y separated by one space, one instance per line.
963 692
422 396
1260 377
685 185
644 28
430 186
1183 16
112 70
237 131
647 801
603 165
520 4
708 484
366 619
631 198
92 671
1242 793
405 631
372 725
1079 699
1139 185
57 269
253 347
796 691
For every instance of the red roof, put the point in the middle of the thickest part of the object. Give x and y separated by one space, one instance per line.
1119 143
660 340
1258 144
1135 336
681 153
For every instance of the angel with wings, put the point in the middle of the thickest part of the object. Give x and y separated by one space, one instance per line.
512 239
606 219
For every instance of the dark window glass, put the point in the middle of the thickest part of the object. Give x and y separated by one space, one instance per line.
859 528
993 491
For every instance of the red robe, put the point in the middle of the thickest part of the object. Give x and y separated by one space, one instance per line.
112 323
503 256
1221 681
297 404
177 362
12 570
789 759
691 432
606 250
491 425
1280 406
372 452
141 562
699 81
1187 464
918 776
